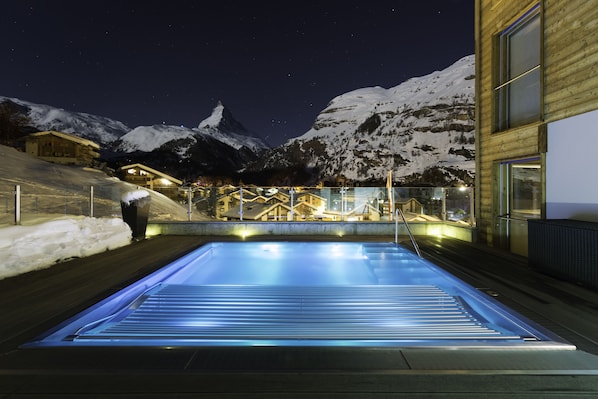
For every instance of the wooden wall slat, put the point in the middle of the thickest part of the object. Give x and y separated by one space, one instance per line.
570 62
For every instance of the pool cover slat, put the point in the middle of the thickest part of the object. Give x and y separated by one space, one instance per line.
388 313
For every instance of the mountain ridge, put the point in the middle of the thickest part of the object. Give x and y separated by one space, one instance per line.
422 130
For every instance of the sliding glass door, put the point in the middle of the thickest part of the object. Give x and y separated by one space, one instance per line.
520 199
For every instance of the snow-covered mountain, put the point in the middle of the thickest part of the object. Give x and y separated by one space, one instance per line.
220 125
45 117
219 145
422 130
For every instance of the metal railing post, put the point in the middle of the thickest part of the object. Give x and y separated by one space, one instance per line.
292 192
241 204
343 191
443 211
90 201
472 221
396 229
17 205
189 199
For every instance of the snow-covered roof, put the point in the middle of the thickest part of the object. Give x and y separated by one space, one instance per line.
67 136
254 210
152 171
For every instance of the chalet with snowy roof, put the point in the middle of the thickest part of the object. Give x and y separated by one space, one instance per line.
258 211
364 212
306 205
411 205
146 177
304 211
62 148
229 199
231 196
312 199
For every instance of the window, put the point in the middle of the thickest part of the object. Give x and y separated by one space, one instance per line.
517 92
526 189
520 199
521 188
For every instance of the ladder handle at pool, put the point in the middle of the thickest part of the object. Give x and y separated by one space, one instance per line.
400 212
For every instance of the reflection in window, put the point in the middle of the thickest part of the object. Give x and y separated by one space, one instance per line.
526 190
517 93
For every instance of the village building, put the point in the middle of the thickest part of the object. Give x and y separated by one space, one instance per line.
62 148
146 177
259 211
411 205
263 204
536 117
312 199
305 211
230 197
364 213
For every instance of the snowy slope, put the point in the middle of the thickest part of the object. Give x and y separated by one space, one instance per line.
96 128
50 188
423 123
48 234
149 138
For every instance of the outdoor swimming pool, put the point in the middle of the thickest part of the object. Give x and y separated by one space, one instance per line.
300 294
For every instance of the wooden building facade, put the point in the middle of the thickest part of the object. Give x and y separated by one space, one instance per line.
62 148
146 177
536 115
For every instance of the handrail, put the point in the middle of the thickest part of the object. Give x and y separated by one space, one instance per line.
507 216
400 212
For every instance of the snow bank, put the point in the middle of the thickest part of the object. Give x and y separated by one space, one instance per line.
28 248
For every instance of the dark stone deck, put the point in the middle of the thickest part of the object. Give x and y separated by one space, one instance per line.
32 303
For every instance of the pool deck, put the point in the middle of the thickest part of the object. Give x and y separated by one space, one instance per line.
32 303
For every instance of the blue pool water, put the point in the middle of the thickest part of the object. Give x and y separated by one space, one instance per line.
300 294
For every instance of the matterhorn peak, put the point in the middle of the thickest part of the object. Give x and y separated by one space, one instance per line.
222 119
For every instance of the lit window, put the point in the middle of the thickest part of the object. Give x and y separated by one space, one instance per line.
517 92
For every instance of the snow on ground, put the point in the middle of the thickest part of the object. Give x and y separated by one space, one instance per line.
32 247
48 233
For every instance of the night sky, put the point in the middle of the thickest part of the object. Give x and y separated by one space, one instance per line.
275 65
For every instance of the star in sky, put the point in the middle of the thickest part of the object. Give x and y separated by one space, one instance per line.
171 61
